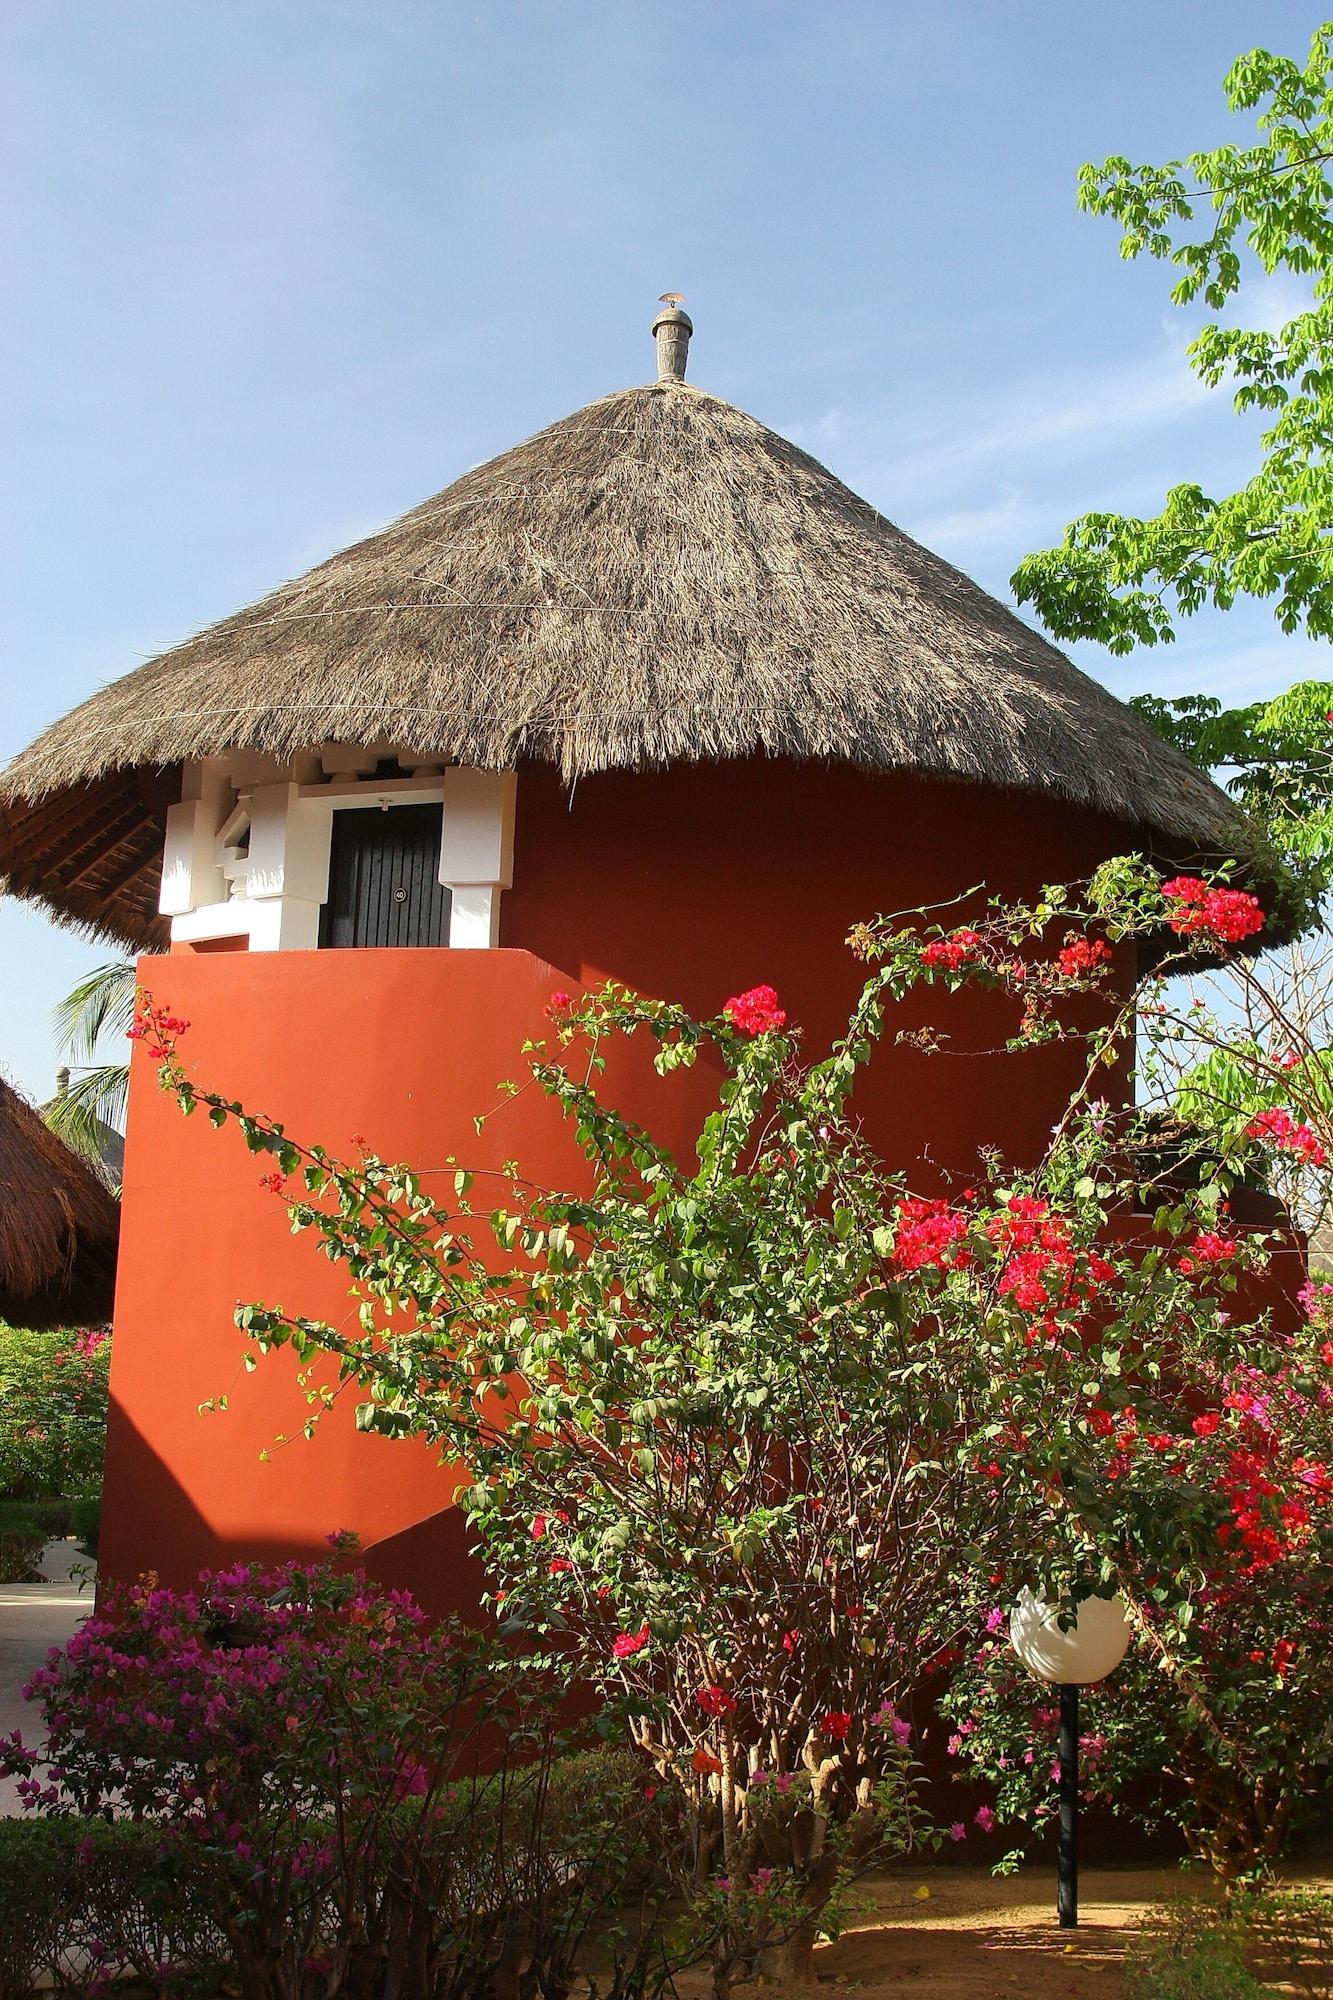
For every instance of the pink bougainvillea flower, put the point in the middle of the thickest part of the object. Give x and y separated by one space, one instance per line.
1279 1129
958 1831
755 1012
985 1819
626 1644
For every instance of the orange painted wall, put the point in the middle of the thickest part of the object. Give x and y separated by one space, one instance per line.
692 883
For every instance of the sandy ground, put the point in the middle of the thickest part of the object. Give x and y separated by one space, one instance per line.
973 1936
977 1937
33 1618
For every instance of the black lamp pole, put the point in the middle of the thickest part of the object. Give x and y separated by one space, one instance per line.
1066 1898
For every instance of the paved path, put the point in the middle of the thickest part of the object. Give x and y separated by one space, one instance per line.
33 1618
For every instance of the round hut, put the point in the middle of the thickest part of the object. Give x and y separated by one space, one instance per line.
652 697
58 1227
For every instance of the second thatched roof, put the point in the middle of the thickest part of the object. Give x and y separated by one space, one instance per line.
656 578
59 1226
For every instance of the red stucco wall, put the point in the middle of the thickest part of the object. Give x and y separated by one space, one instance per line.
691 883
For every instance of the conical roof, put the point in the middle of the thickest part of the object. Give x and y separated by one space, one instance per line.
59 1225
658 577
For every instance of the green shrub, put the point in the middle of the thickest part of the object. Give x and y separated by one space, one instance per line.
87 1900
1291 1938
22 1539
85 1523
84 1898
1191 1951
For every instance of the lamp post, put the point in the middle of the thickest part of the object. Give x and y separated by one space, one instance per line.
1094 1644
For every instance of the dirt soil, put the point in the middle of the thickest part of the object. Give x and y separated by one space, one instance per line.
962 1934
976 1937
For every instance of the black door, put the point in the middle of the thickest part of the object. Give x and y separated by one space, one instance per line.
384 886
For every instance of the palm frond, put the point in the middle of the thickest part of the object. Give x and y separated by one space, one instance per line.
101 1003
90 1115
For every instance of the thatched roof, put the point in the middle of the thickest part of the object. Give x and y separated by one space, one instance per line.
59 1225
655 578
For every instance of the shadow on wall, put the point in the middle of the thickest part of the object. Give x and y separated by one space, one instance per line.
151 1525
432 1560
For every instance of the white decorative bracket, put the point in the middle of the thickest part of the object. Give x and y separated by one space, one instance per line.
477 852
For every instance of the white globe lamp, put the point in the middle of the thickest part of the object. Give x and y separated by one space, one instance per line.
1093 1645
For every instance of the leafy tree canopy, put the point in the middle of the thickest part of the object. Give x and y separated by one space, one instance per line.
1275 757
1221 217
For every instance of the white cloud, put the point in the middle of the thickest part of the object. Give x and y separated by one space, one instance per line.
969 533
1040 423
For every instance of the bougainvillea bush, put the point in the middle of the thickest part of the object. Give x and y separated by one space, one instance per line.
361 1804
758 1439
1193 1443
717 1469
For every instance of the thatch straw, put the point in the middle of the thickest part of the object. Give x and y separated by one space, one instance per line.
59 1225
656 578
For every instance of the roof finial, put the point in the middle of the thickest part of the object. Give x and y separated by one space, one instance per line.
671 330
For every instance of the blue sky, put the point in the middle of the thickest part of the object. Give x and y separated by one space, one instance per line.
277 272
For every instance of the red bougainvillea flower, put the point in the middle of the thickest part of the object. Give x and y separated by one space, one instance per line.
836 1724
1226 915
929 1234
276 1183
1206 1425
755 1012
626 1644
952 952
715 1701
1279 1129
538 1527
558 1004
1208 1249
1082 957
559 1566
